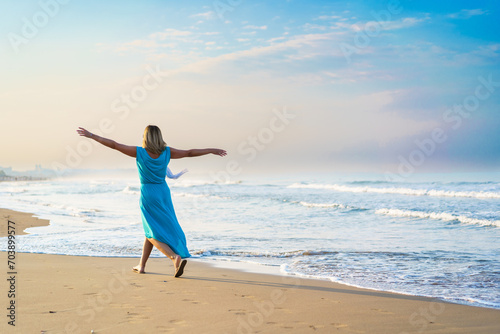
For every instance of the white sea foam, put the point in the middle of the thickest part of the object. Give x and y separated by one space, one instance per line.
189 195
131 190
401 191
323 205
437 215
13 190
197 183
257 254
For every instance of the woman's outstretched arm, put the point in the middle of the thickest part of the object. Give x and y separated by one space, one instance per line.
178 154
131 151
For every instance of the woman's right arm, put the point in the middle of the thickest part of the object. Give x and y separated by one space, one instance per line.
131 151
178 154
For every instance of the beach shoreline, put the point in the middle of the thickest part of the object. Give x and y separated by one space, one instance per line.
20 221
77 294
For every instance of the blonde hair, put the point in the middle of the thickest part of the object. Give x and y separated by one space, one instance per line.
152 140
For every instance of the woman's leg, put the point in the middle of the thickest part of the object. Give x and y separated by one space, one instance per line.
146 251
165 249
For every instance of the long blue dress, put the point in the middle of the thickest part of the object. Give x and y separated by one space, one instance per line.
157 211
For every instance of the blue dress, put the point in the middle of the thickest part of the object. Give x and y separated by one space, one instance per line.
157 211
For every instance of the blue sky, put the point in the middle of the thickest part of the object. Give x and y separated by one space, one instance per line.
366 80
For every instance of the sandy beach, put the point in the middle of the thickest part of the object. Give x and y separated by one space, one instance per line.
70 294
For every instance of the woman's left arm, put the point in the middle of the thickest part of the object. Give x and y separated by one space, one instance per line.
178 154
131 151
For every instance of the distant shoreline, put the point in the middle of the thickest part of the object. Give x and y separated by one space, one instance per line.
22 178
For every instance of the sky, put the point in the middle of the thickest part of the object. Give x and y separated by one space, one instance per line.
396 87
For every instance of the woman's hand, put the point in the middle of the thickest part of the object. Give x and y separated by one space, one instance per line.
178 154
220 152
131 151
84 133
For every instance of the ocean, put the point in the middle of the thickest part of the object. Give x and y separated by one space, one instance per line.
433 235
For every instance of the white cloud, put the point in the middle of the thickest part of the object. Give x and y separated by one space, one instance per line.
342 25
174 56
353 75
153 42
170 33
295 48
205 16
156 43
272 40
309 26
438 55
255 27
328 17
384 25
143 45
401 24
467 13
481 55
368 25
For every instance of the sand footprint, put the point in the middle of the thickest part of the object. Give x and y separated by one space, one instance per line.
315 327
338 325
137 286
126 306
331 300
143 308
191 301
164 329
114 305
138 297
284 310
136 318
382 311
247 296
238 311
287 327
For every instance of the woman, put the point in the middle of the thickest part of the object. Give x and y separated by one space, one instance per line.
160 223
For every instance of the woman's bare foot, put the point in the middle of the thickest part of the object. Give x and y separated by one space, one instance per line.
177 261
179 265
138 269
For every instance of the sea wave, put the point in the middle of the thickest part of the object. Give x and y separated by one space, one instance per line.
199 195
323 205
445 216
131 190
13 190
199 183
290 254
401 191
190 195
